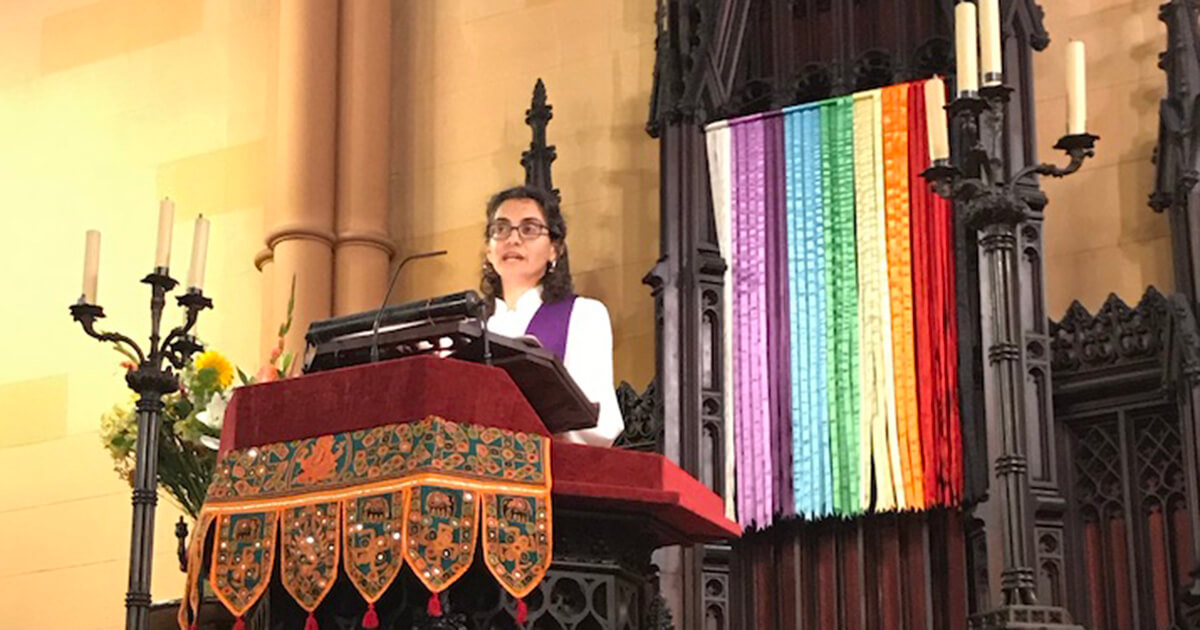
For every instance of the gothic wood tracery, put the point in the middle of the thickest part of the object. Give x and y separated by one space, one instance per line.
1127 457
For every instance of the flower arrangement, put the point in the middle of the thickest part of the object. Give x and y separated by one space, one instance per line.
188 434
190 431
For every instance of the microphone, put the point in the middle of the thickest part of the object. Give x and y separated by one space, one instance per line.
387 296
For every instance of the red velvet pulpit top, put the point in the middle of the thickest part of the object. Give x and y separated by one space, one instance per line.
366 396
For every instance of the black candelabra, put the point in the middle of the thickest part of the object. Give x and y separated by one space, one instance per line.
991 202
152 379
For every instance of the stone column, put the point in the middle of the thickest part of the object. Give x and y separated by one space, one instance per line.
363 248
300 234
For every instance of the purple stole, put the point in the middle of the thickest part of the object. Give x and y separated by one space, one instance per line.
550 325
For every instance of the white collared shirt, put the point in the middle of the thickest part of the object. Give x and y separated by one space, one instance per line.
588 357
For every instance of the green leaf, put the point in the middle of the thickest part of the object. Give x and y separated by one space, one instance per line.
287 363
207 376
182 408
287 325
204 386
246 380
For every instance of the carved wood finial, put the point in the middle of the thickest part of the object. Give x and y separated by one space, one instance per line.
1175 153
1039 37
538 158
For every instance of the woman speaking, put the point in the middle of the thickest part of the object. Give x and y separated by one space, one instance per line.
528 288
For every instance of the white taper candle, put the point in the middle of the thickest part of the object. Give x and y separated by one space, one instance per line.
991 61
935 119
1076 88
91 265
166 225
199 253
966 47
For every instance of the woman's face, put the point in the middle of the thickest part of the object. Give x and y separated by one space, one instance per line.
516 258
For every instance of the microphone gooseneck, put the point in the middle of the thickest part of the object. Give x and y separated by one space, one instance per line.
387 296
487 343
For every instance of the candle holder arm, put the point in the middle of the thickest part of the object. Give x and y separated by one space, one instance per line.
87 314
948 182
179 344
1078 147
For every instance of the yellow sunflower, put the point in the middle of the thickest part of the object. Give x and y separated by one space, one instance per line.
218 362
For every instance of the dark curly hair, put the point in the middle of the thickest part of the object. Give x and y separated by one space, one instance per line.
556 282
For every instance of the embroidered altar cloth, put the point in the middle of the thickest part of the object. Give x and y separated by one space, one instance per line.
370 501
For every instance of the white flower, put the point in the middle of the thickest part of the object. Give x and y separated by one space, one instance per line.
210 442
214 416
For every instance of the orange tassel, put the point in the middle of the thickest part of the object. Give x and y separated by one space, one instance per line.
370 620
435 605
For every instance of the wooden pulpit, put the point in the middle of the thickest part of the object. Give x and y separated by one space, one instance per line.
323 446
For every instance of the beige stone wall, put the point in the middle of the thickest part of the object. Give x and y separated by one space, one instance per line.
463 75
1101 237
104 108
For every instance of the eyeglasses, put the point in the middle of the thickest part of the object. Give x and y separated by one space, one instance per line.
528 230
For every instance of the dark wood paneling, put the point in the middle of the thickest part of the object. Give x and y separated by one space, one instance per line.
1127 477
877 572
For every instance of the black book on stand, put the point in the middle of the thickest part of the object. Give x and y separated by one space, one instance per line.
450 326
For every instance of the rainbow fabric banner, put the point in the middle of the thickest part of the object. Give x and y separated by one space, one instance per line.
840 357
